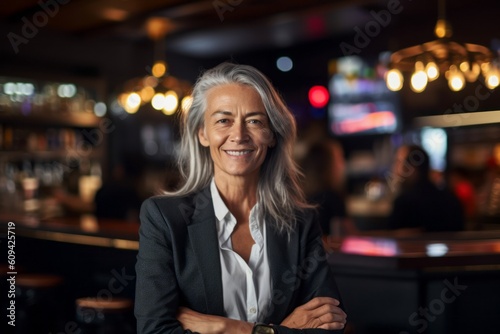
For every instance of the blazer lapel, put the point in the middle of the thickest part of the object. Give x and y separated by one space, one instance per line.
282 255
203 237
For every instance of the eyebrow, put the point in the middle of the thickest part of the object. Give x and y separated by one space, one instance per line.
228 113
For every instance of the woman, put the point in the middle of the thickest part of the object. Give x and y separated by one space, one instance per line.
235 249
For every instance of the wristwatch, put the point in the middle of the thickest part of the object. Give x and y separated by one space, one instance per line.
263 329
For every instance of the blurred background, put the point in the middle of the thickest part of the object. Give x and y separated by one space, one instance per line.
91 91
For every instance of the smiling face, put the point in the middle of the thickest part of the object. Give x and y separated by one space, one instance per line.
236 130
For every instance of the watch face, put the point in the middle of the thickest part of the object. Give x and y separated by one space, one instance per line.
263 329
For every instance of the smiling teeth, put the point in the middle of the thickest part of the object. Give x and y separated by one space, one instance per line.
238 152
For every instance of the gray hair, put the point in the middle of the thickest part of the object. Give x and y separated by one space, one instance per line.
278 193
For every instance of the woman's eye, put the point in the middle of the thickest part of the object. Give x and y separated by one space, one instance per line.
222 120
254 121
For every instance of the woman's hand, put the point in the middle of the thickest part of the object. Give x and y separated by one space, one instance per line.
319 312
211 324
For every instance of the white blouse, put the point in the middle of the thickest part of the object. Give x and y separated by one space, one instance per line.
246 286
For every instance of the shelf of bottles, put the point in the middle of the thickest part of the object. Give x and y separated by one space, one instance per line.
51 139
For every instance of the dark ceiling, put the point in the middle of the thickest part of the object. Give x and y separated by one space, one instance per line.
107 38
237 23
215 27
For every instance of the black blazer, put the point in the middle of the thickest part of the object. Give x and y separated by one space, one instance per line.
178 264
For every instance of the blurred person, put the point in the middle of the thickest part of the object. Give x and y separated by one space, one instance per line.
119 198
226 252
420 205
316 133
116 198
321 186
488 193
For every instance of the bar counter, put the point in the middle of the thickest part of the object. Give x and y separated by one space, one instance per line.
84 230
389 283
422 283
420 251
384 249
95 258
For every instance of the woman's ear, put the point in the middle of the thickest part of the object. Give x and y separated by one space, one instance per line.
202 137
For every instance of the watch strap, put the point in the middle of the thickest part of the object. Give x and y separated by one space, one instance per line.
260 328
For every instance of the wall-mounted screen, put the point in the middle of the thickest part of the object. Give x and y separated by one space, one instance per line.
360 101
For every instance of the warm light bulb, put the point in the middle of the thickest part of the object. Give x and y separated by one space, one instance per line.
419 78
485 68
442 29
492 79
159 69
147 93
464 66
150 81
476 69
470 73
456 80
132 103
158 101
456 83
122 99
394 80
171 102
432 71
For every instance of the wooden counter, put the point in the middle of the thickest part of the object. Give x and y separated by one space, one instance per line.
427 283
389 283
95 258
422 251
84 230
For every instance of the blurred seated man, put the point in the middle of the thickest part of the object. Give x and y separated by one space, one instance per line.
420 204
117 198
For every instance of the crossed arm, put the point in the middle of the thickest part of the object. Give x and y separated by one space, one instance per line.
158 306
319 312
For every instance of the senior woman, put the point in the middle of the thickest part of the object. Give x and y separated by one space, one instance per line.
236 248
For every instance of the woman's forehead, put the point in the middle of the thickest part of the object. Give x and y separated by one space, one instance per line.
234 96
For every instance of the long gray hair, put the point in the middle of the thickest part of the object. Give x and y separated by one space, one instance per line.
278 193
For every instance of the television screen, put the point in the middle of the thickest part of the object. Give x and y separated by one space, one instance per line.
360 101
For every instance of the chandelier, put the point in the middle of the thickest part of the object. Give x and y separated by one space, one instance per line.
458 62
158 88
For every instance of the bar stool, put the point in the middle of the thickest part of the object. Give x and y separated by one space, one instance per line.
38 303
96 316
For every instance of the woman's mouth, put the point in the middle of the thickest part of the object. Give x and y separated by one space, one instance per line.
238 153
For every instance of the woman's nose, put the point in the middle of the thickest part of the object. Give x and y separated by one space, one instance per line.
239 132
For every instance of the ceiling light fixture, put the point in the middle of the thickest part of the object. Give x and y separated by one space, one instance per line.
159 89
458 62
